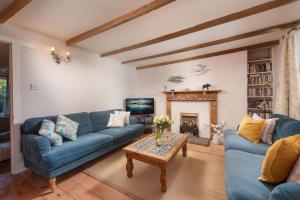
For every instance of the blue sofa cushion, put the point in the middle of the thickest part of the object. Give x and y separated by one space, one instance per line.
235 142
285 127
241 172
33 125
120 134
286 191
73 150
100 119
85 124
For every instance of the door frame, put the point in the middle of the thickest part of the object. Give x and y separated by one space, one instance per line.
10 102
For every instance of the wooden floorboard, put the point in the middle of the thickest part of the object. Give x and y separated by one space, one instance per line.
75 185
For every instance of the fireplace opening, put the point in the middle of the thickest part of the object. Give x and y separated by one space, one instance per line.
189 123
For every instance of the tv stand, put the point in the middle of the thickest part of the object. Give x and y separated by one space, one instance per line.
147 120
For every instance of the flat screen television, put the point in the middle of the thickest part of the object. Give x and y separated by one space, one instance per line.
140 106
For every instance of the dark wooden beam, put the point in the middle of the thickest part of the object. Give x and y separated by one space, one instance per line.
12 9
218 53
220 41
120 20
221 20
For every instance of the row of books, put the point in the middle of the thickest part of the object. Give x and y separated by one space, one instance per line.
254 103
261 114
260 92
262 67
264 78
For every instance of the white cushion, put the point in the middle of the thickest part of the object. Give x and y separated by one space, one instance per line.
116 120
125 114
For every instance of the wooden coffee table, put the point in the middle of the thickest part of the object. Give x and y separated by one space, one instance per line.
147 151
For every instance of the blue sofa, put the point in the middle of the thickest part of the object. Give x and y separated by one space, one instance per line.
94 140
243 161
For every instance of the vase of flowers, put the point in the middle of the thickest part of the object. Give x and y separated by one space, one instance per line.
161 123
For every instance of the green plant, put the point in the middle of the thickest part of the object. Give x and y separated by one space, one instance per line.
3 87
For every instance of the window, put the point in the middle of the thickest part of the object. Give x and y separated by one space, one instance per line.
3 96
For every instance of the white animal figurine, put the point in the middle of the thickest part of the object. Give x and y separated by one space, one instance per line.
218 136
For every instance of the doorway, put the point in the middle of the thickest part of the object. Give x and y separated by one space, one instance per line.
5 107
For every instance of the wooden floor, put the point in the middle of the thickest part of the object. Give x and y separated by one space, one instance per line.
72 185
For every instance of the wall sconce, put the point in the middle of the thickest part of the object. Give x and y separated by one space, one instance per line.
58 59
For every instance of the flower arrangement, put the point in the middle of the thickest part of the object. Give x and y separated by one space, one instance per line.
161 123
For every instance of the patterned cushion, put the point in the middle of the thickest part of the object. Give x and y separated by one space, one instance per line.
125 114
66 127
294 176
116 121
268 129
48 130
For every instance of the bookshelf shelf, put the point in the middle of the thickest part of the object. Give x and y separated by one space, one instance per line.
260 60
260 82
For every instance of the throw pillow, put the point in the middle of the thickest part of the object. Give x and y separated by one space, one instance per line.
48 130
280 159
294 176
116 121
251 129
66 127
268 129
125 114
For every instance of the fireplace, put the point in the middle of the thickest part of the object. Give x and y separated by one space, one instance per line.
189 123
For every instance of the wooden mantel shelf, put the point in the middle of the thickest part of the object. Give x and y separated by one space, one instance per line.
193 91
210 96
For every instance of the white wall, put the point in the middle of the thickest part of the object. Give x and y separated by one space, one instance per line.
227 73
88 83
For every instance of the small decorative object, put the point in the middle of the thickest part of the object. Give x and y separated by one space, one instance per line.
172 92
218 135
176 79
206 86
200 70
58 59
161 123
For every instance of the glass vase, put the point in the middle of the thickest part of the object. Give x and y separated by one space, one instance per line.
158 135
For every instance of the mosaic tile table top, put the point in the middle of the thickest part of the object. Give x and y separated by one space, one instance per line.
147 146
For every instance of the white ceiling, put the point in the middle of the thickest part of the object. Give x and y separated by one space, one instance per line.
64 19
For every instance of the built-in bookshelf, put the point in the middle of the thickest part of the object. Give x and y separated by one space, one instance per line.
260 82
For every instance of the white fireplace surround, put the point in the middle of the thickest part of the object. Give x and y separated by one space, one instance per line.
202 108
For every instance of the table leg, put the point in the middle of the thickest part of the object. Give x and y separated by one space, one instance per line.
129 165
184 150
163 179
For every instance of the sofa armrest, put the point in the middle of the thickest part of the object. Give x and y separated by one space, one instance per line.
34 146
284 191
133 120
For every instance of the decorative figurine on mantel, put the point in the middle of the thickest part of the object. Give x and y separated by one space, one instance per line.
218 135
206 86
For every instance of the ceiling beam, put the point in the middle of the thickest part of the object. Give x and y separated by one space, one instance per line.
218 21
120 20
218 53
12 9
220 41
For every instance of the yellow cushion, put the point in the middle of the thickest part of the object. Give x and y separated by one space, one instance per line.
280 159
251 129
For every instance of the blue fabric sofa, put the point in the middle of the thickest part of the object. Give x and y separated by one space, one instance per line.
243 161
94 140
